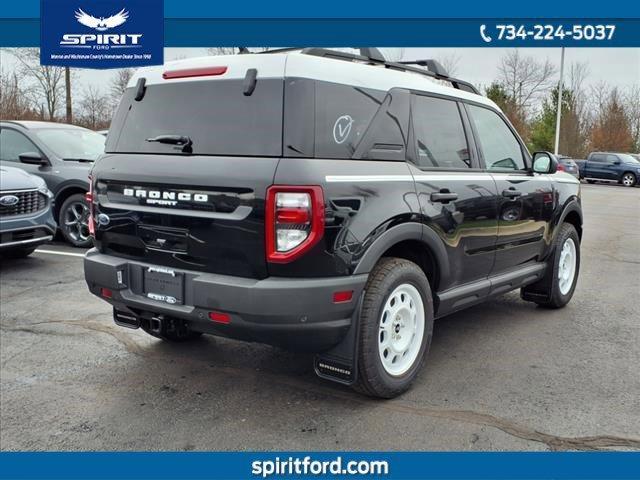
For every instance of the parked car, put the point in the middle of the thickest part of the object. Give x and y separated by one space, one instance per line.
568 165
61 155
322 201
611 167
26 220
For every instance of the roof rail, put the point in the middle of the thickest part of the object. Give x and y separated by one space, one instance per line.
435 70
373 56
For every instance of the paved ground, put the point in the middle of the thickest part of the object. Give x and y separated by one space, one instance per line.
502 376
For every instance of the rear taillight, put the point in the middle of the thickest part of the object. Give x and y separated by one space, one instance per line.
89 199
560 168
294 220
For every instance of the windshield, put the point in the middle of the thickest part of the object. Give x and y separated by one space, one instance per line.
73 143
627 158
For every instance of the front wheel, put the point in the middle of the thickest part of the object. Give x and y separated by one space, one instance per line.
557 287
396 326
628 179
74 221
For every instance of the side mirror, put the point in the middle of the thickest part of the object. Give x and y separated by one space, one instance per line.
616 162
545 162
32 158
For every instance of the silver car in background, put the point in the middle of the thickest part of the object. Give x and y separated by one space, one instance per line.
26 220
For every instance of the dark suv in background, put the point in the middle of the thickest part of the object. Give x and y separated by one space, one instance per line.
61 155
622 168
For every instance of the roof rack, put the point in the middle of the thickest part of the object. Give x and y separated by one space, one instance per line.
373 56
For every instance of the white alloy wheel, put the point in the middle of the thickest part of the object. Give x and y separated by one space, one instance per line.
401 330
567 266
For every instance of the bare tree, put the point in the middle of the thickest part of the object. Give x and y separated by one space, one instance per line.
451 63
118 84
48 80
15 103
222 50
95 109
632 108
574 126
525 79
611 130
67 91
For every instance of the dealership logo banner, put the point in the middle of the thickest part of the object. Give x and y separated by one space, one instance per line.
101 34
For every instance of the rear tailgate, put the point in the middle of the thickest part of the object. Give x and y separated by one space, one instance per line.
199 207
197 213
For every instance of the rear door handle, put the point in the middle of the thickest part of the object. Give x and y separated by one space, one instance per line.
443 197
511 193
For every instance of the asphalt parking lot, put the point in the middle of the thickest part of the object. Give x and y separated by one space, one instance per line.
501 376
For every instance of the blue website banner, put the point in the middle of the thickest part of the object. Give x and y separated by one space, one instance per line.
101 34
382 33
399 465
358 9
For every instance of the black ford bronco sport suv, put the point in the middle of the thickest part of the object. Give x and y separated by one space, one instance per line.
322 201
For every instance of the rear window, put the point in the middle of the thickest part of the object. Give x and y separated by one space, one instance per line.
216 115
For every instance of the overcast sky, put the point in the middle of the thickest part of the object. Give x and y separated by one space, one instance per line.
617 66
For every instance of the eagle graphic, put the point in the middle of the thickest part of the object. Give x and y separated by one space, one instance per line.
101 24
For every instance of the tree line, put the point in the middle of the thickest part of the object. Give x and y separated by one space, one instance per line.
599 117
42 92
594 117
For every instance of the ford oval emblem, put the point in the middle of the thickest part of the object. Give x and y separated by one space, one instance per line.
9 200
103 219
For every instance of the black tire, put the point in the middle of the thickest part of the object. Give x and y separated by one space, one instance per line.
18 252
387 275
546 292
73 221
629 179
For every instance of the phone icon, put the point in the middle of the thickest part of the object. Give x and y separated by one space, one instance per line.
484 36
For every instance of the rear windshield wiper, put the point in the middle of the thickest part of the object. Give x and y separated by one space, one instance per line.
174 140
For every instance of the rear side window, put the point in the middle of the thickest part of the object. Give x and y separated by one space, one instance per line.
216 115
597 158
343 114
500 147
439 134
13 144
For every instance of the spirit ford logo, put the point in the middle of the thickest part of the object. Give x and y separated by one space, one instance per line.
157 197
101 24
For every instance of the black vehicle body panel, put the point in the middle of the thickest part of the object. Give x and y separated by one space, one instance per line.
228 239
376 201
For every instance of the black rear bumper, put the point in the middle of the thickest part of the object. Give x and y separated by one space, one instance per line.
290 312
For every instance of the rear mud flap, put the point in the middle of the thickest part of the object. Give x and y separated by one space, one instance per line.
340 364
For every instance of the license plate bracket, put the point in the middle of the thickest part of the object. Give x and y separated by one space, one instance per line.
164 285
